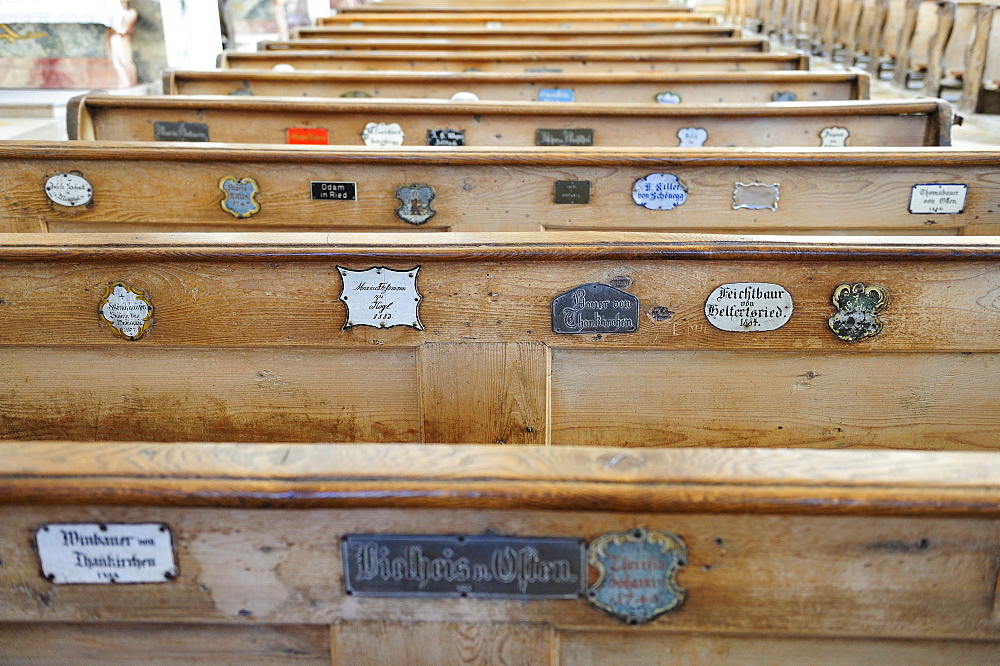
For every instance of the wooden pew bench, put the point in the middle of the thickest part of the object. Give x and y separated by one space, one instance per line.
843 556
628 88
502 338
310 188
513 61
634 45
570 36
507 20
391 123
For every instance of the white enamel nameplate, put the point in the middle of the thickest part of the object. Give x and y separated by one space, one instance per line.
102 553
749 306
939 199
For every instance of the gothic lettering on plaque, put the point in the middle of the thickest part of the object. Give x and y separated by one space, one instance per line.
938 199
96 553
749 306
659 191
595 308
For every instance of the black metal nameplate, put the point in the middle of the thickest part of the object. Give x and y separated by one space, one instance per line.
327 191
564 137
164 131
445 137
572 191
400 565
595 308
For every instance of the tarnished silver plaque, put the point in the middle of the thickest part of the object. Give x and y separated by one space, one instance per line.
938 199
95 553
180 131
383 134
69 189
635 574
692 137
858 307
564 137
381 297
659 191
126 311
572 192
756 196
401 565
834 137
595 308
749 306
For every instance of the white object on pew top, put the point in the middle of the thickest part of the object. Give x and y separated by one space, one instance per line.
102 12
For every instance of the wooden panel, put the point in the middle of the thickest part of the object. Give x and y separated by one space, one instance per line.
163 394
432 644
109 643
921 578
707 44
596 648
930 401
571 36
483 392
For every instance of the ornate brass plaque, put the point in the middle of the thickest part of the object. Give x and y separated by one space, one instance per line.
857 306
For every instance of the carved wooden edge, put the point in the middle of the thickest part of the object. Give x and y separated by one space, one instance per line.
860 79
78 121
430 156
471 476
758 44
495 246
526 108
226 59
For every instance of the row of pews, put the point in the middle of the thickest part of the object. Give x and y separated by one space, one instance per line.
518 334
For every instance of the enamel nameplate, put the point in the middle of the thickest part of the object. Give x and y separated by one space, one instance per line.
323 190
383 134
445 137
756 196
307 136
692 137
668 97
69 189
564 137
938 199
659 191
556 95
465 96
103 553
636 574
834 137
126 311
399 565
572 191
180 131
415 203
784 96
858 307
595 308
381 297
749 306
240 198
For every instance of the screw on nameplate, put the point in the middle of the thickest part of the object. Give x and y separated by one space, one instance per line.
636 574
104 553
69 189
756 196
240 196
858 307
595 308
415 202
938 199
383 134
381 297
126 311
572 192
659 191
749 306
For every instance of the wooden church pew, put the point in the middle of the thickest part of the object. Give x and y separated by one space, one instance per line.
311 188
391 123
636 45
638 87
837 556
502 21
502 338
513 61
546 33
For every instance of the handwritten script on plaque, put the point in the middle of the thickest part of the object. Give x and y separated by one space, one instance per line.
381 297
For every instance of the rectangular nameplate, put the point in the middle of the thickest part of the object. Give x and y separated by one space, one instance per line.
564 137
96 553
398 565
314 136
936 198
323 190
166 131
555 95
572 191
445 137
543 70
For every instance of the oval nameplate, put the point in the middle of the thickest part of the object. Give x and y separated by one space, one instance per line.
659 191
69 189
126 311
383 134
749 306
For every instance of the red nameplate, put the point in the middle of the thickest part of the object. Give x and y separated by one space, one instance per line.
314 135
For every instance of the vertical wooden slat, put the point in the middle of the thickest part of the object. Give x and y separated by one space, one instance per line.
488 392
904 44
936 49
975 59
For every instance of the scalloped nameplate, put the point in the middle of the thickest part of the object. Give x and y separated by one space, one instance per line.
103 553
383 134
692 137
126 311
834 137
659 191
